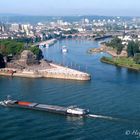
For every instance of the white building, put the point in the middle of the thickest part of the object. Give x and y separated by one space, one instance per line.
14 27
26 28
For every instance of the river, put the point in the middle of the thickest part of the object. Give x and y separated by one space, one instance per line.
112 92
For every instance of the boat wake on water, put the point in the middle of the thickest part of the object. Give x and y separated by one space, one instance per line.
112 119
107 118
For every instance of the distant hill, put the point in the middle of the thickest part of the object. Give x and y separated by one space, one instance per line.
21 18
9 14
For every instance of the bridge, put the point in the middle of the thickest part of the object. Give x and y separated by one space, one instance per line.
80 35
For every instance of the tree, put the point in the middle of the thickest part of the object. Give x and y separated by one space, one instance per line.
2 63
136 47
37 52
137 58
116 43
132 48
119 48
13 47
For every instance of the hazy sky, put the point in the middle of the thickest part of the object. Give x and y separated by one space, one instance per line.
71 7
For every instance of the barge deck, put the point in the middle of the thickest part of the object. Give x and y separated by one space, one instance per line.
71 110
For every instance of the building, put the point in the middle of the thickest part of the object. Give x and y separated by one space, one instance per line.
14 27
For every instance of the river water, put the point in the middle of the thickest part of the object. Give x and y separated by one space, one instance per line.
112 92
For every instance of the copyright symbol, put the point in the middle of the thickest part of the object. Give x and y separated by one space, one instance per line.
127 132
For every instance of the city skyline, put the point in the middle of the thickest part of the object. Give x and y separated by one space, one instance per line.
78 7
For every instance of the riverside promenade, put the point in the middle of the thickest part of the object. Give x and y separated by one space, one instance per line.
50 71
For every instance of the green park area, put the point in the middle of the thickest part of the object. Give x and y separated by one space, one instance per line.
122 62
132 61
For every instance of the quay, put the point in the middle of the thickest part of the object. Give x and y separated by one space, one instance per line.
55 71
27 66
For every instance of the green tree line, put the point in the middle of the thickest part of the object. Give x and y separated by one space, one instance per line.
10 47
133 50
14 47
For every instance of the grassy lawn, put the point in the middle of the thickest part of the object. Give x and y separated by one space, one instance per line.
124 62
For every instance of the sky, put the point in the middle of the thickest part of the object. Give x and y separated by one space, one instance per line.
71 7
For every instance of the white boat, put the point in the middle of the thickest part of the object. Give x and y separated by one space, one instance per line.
64 49
76 111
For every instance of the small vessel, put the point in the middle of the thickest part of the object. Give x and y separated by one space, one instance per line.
72 110
64 49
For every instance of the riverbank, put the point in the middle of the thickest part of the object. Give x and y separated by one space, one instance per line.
109 50
121 62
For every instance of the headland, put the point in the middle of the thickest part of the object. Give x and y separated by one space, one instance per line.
28 66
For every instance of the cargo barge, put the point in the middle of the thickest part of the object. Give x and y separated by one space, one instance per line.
71 110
